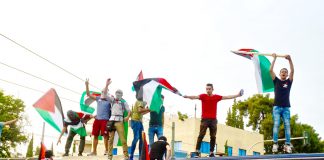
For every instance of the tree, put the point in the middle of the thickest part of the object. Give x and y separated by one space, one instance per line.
233 119
258 109
182 117
37 150
11 108
30 148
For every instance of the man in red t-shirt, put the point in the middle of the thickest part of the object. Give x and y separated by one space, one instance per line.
208 118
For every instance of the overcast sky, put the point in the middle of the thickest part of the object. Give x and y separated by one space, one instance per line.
186 42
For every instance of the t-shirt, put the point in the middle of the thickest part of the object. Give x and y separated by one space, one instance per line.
156 118
117 110
103 109
209 105
1 127
136 115
282 92
158 149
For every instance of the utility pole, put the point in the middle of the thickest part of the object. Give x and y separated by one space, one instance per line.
195 110
172 142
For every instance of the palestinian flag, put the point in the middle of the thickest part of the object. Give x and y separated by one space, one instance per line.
145 150
50 109
86 103
76 125
42 151
117 141
149 90
139 77
262 69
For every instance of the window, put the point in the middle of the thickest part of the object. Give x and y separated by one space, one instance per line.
205 147
242 152
129 149
177 145
256 153
230 151
114 151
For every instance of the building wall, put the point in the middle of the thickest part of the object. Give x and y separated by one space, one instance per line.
187 132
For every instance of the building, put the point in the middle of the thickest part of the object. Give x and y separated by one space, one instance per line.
239 142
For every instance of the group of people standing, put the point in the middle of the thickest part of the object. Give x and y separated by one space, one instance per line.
281 108
111 113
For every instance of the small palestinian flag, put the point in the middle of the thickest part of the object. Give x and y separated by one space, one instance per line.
42 152
145 149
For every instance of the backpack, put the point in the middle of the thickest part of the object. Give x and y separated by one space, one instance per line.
123 107
111 124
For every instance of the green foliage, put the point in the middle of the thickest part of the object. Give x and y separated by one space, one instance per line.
30 148
37 150
182 117
10 108
233 118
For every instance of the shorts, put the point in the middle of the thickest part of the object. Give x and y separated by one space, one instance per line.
99 127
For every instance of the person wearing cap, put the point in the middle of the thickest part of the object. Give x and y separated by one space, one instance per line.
102 117
119 107
76 121
209 115
160 148
156 123
137 125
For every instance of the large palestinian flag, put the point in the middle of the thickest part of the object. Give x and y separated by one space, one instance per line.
262 69
149 90
50 109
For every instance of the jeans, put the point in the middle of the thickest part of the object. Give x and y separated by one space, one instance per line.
212 125
283 112
69 142
154 129
137 127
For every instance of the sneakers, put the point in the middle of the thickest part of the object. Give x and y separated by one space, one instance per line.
288 148
106 153
211 154
275 148
92 154
80 154
197 154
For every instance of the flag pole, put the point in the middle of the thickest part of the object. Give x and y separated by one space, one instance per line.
257 53
43 132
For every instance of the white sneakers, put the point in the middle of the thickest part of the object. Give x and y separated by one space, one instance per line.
275 148
287 148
